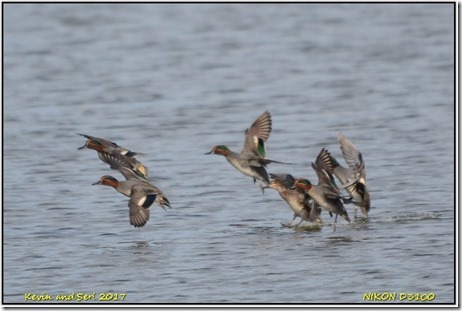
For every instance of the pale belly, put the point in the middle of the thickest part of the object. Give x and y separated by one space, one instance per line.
250 171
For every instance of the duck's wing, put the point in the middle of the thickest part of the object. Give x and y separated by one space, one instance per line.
331 192
256 160
257 135
324 161
287 180
129 167
352 155
323 168
139 205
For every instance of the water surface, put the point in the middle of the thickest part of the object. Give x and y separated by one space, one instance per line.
174 80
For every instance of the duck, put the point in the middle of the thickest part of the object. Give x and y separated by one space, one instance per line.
101 144
251 160
324 194
298 200
353 176
142 193
106 147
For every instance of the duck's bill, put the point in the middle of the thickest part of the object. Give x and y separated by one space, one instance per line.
82 147
209 152
96 183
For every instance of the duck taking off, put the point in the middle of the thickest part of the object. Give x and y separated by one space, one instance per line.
324 194
354 175
251 160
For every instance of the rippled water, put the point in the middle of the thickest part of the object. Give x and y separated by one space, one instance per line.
174 80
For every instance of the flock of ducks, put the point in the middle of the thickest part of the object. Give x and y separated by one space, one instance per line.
142 193
305 198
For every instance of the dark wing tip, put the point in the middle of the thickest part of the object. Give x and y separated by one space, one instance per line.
84 135
138 216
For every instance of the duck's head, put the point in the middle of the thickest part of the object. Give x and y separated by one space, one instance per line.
220 149
107 181
93 144
303 184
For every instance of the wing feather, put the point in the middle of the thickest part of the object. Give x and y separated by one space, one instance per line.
257 135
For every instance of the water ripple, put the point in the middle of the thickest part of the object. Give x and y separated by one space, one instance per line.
172 81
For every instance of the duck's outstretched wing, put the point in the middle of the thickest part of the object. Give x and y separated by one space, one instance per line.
323 168
257 135
351 154
139 205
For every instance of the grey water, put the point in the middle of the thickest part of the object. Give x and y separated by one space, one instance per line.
172 81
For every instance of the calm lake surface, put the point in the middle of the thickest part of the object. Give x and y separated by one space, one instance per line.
172 81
